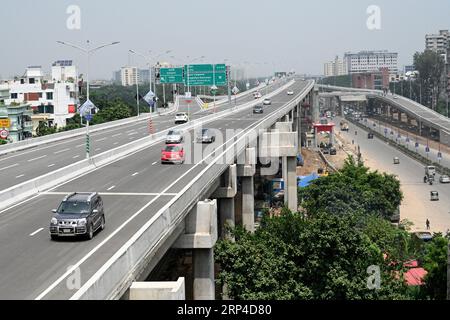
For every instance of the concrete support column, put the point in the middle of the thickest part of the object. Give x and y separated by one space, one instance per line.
419 123
299 127
201 236
248 203
315 106
158 290
203 265
290 184
227 217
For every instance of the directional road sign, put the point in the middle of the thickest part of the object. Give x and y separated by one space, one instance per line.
205 75
235 90
171 75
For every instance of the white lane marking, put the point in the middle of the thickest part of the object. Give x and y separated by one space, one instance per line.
133 134
76 157
51 165
115 143
8 167
61 151
36 232
154 163
22 175
34 159
98 149
79 146
116 135
110 188
135 174
130 131
102 139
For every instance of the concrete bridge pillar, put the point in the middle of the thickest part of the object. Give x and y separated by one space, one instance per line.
284 145
315 106
201 235
246 172
226 194
158 290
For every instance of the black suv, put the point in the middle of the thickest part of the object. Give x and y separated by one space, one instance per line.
79 214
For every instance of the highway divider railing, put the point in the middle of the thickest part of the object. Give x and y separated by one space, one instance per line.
45 182
411 153
35 142
127 264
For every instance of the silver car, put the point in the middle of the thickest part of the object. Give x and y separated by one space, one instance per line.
444 179
174 137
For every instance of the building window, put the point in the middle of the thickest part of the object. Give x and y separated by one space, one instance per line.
49 95
31 81
13 95
40 95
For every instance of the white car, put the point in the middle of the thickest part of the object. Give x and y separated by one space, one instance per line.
257 95
174 137
444 179
181 117
267 102
290 93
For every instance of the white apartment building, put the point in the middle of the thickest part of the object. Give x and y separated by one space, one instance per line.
438 42
371 61
129 76
335 68
53 99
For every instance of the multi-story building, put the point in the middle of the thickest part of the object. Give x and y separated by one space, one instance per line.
376 80
438 42
18 116
53 100
335 68
371 61
129 76
409 68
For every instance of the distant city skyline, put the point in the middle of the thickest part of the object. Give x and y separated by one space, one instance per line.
272 36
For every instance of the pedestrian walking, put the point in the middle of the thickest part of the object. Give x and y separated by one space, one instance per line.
428 224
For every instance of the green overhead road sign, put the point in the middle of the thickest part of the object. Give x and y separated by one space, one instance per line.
203 75
171 75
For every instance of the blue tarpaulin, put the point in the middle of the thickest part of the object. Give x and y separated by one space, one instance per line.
304 181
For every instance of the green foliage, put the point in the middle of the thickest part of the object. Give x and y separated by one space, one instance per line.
354 188
294 257
435 262
431 67
3 141
43 129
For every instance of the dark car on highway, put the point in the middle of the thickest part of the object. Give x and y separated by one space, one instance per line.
370 135
79 214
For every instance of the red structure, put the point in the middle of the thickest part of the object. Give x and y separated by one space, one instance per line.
324 126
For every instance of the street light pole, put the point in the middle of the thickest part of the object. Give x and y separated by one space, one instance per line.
88 52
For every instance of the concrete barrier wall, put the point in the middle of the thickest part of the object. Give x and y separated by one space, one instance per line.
26 189
34 142
117 274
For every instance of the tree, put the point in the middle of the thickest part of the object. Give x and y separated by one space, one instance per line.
431 67
354 188
297 257
435 262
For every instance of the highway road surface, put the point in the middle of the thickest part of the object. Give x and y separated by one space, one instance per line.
134 189
25 165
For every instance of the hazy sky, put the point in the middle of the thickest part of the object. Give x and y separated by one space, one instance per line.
284 34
